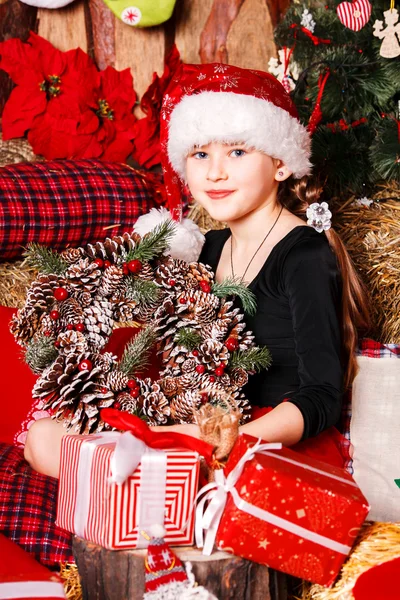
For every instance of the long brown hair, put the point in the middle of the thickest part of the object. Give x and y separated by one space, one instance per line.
296 196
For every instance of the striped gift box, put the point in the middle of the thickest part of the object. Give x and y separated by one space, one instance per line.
110 513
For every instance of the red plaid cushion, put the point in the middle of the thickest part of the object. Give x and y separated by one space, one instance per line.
28 509
68 203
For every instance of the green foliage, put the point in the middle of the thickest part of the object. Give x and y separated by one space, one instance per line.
187 337
254 359
233 287
40 353
45 260
385 150
136 355
153 243
142 291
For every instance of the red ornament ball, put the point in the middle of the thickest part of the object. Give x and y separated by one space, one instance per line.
70 326
204 397
85 365
172 282
55 315
232 344
61 294
99 262
134 266
132 384
107 264
219 371
47 333
80 327
57 344
201 369
195 352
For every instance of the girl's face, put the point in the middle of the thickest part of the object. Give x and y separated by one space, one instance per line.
231 181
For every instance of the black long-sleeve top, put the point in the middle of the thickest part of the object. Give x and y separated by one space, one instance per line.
298 293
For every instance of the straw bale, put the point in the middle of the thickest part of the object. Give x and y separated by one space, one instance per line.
16 151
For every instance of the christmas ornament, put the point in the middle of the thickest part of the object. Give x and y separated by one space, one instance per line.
319 216
285 72
65 346
141 13
165 575
307 20
390 47
354 15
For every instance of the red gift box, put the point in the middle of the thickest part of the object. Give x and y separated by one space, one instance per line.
161 489
21 576
286 510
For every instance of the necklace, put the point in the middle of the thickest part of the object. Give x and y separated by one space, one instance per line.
252 258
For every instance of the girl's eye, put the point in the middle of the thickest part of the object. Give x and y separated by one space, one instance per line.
238 152
200 155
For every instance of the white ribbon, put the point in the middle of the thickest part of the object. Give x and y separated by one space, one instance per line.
31 589
128 453
218 491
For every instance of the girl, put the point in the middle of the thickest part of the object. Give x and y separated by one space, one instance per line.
234 138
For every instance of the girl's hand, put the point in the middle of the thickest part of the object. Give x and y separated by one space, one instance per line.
186 428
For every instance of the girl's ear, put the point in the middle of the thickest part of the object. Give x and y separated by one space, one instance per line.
282 171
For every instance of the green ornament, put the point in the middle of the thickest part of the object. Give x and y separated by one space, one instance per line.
142 13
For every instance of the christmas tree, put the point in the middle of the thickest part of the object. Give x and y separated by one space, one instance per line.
341 63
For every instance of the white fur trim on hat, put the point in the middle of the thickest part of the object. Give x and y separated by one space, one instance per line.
200 119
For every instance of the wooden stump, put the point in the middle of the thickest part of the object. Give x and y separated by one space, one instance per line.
119 575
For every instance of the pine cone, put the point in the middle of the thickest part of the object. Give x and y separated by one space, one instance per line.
184 406
127 403
238 377
204 308
24 324
99 322
71 255
117 381
211 353
156 408
198 272
41 293
146 272
124 311
83 276
112 249
170 274
111 281
107 361
71 312
169 386
72 342
48 326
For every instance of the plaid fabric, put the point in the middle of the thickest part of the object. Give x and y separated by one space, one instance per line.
68 203
28 509
372 349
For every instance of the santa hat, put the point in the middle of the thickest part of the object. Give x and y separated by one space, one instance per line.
223 103
166 577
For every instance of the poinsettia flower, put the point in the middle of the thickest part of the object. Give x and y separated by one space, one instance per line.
147 150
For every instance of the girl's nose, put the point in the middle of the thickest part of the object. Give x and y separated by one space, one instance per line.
216 170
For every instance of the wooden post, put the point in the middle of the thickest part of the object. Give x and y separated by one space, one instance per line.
119 575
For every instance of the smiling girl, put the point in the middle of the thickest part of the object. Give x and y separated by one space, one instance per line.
233 137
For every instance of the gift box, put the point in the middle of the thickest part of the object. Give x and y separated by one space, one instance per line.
21 576
283 509
113 487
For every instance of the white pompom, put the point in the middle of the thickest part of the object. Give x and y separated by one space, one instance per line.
187 242
157 531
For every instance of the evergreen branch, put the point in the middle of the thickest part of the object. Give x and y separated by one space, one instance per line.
153 243
187 337
233 287
45 260
254 359
142 291
136 355
40 353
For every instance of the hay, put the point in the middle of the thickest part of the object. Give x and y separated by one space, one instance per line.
16 151
376 544
15 279
72 584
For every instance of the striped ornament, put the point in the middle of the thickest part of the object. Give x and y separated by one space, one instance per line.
354 15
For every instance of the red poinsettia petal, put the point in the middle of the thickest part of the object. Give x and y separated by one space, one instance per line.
117 87
21 62
53 61
20 110
89 123
117 151
82 76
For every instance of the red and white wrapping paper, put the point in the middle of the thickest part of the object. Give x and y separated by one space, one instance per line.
21 576
113 487
277 507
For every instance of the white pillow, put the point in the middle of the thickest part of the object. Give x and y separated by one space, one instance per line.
375 435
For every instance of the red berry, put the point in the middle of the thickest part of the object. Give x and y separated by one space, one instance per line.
135 393
200 369
205 286
47 333
104 390
70 327
55 315
132 384
107 264
85 365
182 300
172 282
195 352
211 378
134 265
204 397
57 344
219 371
125 269
232 344
99 262
80 327
60 294
192 299
117 405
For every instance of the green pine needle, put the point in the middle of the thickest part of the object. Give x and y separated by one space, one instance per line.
40 353
45 260
136 355
153 243
254 359
233 287
142 291
187 337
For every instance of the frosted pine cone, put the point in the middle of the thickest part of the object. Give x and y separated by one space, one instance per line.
72 342
71 312
48 326
170 274
184 405
211 353
112 249
23 325
83 276
117 381
107 361
169 386
128 403
146 272
238 377
205 307
156 408
71 255
99 322
111 281
41 293
124 311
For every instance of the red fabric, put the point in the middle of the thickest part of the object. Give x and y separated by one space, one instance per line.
330 446
193 79
70 203
380 582
17 381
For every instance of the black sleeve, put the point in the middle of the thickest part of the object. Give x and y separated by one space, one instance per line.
313 285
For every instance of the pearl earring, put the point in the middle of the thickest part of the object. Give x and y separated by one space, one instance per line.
281 173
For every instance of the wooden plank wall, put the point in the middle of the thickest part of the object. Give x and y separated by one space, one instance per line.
232 31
